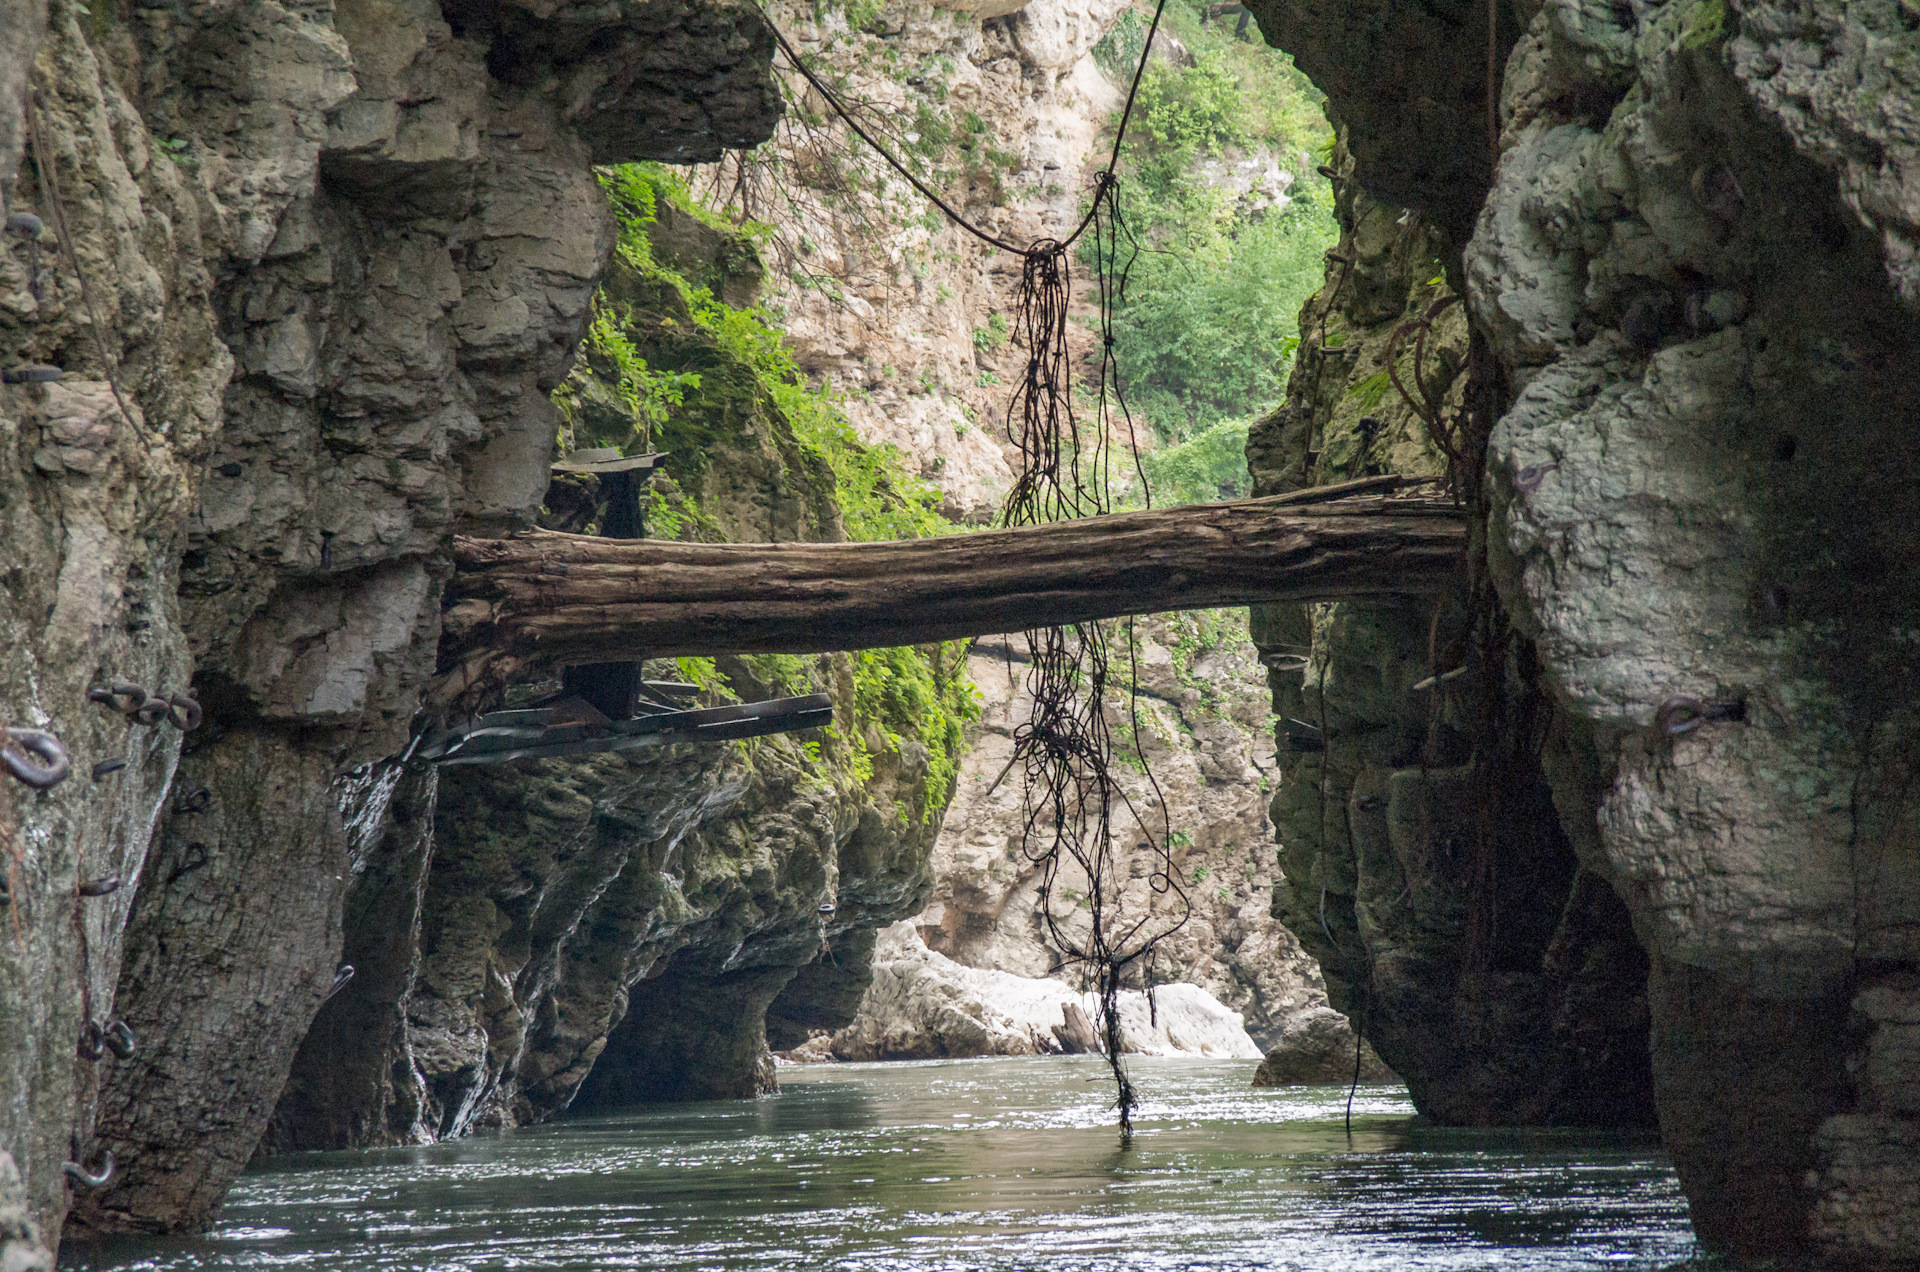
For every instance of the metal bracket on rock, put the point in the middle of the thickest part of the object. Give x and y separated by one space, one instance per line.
573 726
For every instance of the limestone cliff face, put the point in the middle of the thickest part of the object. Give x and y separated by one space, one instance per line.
891 304
1690 296
1000 103
330 258
615 927
1497 977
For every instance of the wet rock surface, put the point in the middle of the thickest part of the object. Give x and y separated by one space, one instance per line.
1318 1047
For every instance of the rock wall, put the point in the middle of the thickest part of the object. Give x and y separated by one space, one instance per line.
1497 977
330 258
1686 421
1001 104
601 930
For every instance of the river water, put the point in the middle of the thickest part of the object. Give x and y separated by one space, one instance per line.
949 1165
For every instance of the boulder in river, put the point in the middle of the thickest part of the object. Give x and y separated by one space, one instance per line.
923 1006
1317 1047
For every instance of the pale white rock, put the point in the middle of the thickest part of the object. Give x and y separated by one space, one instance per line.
923 1005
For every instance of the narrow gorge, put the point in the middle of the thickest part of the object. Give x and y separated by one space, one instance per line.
1588 810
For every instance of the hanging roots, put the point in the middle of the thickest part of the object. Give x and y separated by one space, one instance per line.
1065 751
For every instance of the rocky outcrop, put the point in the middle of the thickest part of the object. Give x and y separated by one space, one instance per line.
1695 351
1202 715
21 1249
595 931
1688 286
1497 977
925 1006
1318 1047
329 262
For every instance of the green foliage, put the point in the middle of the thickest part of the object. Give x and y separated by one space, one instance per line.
1189 111
1206 328
701 671
1209 466
1370 392
992 336
921 692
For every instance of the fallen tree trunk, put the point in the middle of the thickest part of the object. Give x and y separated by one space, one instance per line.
540 600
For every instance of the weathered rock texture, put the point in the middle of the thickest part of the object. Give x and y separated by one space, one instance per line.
1692 306
331 259
1318 1047
1002 103
925 1006
613 928
1203 716
1500 981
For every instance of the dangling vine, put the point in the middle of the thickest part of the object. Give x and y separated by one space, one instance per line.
1070 799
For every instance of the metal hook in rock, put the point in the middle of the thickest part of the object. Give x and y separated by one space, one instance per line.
1679 716
105 767
34 756
92 1178
109 695
826 907
196 802
92 1044
25 225
120 1040
152 711
340 979
34 374
183 713
1432 681
102 887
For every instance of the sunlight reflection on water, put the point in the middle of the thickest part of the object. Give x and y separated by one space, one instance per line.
950 1165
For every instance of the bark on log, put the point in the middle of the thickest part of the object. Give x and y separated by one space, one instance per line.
539 600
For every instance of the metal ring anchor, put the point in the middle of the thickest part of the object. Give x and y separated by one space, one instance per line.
109 695
183 713
152 711
91 1178
34 756
120 1040
1679 715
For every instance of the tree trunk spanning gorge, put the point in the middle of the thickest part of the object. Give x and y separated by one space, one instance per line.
541 599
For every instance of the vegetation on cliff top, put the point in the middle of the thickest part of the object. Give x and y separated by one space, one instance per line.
1207 325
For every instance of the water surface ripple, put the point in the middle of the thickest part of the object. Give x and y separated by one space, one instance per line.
950 1165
